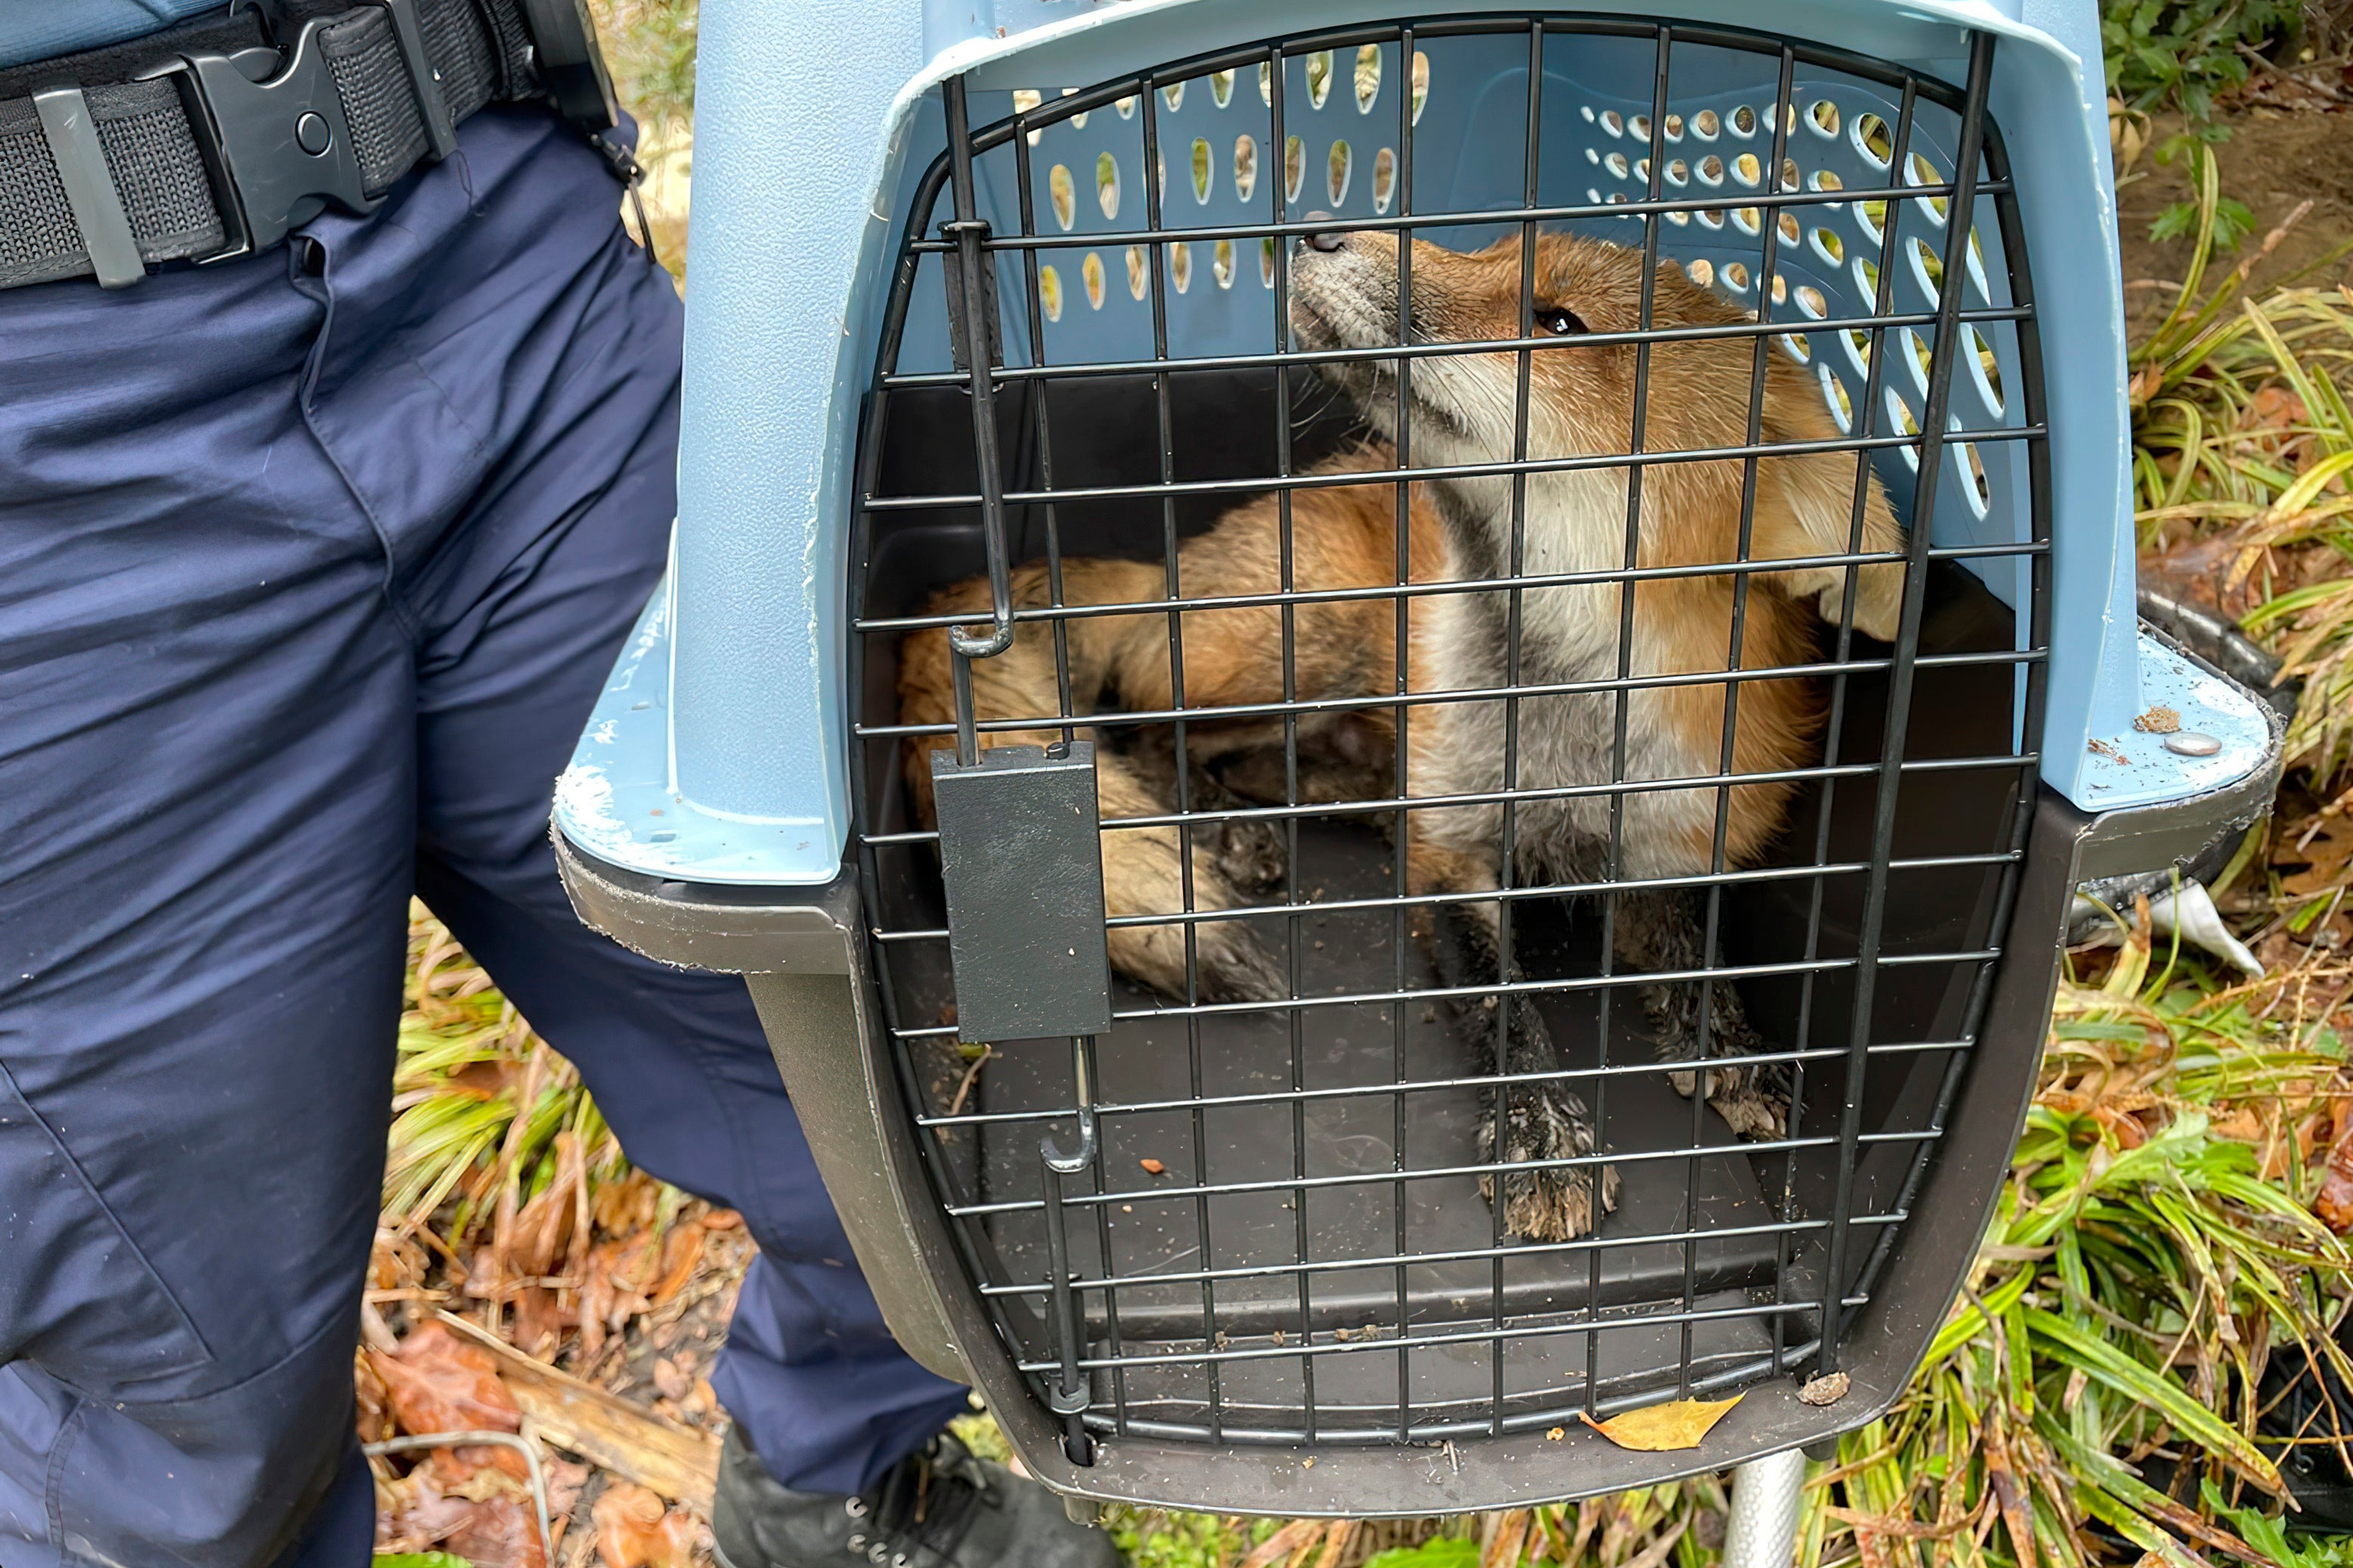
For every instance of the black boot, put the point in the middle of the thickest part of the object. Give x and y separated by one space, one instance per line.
940 1508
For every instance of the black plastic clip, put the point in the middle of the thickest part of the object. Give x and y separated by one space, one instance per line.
276 146
432 104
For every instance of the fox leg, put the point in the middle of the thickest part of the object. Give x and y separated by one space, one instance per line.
1525 1121
1660 931
1144 873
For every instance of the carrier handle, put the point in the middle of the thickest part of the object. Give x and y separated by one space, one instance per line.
969 285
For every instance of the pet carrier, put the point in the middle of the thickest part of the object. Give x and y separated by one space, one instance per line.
1245 759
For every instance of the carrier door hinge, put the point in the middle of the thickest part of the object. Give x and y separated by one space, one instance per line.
959 335
1022 860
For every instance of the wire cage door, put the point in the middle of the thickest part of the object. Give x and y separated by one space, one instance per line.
1277 1198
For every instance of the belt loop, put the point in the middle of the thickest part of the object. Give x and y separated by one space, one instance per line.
97 206
432 102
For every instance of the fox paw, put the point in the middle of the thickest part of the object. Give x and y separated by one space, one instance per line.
1549 1203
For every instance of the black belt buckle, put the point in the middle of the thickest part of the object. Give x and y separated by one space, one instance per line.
274 147
570 65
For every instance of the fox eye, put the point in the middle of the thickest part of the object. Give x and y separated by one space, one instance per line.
1560 321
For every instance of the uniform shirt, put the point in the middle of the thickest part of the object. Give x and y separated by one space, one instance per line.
40 29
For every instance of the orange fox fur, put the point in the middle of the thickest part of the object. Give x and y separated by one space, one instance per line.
1461 410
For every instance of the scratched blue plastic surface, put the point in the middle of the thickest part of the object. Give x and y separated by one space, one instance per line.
816 117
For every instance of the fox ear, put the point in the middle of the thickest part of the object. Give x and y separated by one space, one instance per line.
1816 518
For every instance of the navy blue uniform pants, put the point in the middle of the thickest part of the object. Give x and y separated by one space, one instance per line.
310 565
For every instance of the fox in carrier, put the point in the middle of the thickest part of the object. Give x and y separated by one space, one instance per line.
1463 409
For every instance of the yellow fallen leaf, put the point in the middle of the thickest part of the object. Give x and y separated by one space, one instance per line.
1656 1428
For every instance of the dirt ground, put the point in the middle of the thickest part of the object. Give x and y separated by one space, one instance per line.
2273 160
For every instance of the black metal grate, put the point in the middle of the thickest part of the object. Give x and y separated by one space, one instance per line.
1262 1221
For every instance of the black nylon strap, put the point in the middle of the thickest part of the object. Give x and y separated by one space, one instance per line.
479 49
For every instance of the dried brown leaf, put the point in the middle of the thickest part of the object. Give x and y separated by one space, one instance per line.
634 1530
1660 1428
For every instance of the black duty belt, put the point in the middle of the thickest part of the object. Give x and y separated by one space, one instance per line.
211 139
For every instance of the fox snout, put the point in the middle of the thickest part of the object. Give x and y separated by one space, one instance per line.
1465 409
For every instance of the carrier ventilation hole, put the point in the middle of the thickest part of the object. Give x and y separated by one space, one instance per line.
1735 276
1750 220
1871 138
1062 191
1744 121
1593 195
1026 99
1078 120
1900 420
1825 180
1858 349
1747 169
1790 233
1789 175
1221 263
1221 88
1266 262
1266 83
1834 395
1830 246
1824 117
1245 166
1616 198
1369 76
1929 268
1384 178
1613 122
1420 83
1107 183
1699 271
1294 167
1173 95
1924 173
1050 293
1780 290
1640 127
1795 344
1712 218
1811 300
1203 177
1869 217
1319 77
1615 163
1708 125
1916 358
1866 274
1675 124
1126 106
1090 273
1138 272
1979 490
1989 368
1711 170
1180 266
1678 171
1642 171
1336 173
1680 219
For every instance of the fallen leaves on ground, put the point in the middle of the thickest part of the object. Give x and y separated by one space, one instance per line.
636 1530
1660 1428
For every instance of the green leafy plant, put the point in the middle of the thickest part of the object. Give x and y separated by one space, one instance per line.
2177 54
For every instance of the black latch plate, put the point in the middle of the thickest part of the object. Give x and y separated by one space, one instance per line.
1023 864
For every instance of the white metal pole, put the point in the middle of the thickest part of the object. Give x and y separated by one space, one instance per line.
1763 1531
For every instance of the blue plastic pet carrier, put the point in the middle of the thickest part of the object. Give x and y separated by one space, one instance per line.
987 294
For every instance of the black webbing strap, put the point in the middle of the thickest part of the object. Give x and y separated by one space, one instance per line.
65 121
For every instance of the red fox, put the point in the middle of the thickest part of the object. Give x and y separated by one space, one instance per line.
1460 411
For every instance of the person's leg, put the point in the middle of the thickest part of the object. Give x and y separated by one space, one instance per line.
519 604
206 824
